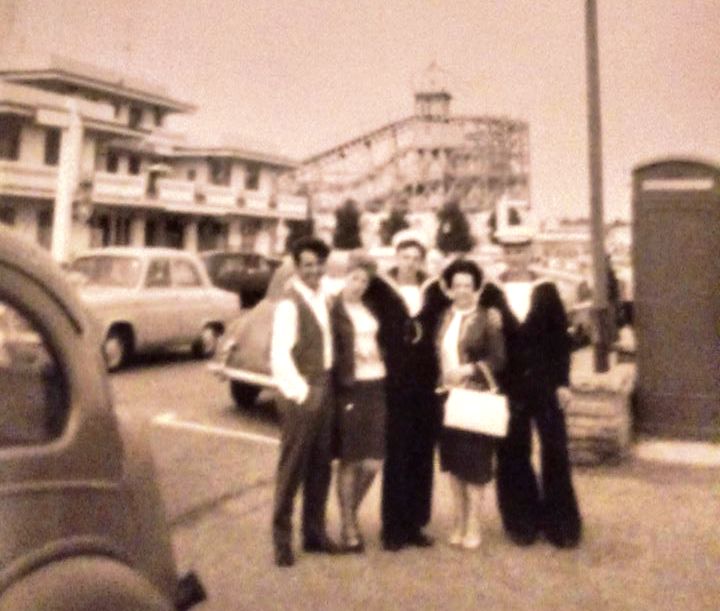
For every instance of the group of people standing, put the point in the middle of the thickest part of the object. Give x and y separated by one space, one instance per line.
363 376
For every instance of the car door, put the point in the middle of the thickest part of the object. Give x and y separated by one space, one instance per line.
157 321
193 300
60 451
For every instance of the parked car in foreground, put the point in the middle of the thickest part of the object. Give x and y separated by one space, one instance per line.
150 298
247 274
82 524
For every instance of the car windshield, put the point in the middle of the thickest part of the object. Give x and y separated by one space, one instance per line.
108 270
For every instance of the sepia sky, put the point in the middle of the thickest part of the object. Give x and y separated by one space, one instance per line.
304 75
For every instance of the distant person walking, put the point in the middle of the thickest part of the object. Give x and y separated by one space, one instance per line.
536 380
301 358
469 343
359 378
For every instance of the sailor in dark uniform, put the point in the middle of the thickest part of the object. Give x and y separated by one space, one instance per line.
410 306
536 380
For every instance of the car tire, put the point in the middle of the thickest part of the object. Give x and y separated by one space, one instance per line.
205 346
84 583
244 394
116 349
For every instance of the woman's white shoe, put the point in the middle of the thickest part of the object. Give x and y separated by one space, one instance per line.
471 542
456 538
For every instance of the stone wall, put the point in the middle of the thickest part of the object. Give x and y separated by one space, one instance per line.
599 417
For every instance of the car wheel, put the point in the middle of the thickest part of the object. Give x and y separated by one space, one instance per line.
116 349
207 343
244 394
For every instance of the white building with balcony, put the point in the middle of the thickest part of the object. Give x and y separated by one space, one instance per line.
86 161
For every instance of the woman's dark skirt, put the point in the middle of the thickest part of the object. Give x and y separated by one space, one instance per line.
468 456
361 420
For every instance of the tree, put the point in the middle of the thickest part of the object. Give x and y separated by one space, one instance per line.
513 219
453 234
347 227
298 229
394 222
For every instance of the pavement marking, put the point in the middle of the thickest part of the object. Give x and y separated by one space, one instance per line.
169 419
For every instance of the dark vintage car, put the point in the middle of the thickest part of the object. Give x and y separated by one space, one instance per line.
246 273
82 523
243 356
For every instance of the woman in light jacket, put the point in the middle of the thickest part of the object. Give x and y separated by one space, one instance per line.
359 378
469 340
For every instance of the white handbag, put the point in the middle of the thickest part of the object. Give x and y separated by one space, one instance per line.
478 411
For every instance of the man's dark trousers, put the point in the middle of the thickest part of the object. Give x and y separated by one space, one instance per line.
305 458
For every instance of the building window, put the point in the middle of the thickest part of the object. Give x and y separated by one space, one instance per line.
122 231
134 165
112 162
135 117
7 215
52 146
157 116
44 228
220 171
151 232
252 176
9 137
191 174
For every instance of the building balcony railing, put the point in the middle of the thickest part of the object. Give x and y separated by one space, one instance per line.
219 195
118 187
175 191
27 179
259 202
291 206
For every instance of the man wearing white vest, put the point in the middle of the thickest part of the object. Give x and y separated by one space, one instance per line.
301 358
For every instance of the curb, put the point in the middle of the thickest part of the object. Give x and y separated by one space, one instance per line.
688 453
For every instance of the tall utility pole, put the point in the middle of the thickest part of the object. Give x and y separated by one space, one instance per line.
600 300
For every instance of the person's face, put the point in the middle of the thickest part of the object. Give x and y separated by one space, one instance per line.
310 269
356 282
518 258
462 290
409 260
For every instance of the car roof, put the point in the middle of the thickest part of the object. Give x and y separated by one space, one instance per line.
136 251
228 253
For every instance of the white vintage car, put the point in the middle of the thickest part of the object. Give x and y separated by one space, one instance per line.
150 298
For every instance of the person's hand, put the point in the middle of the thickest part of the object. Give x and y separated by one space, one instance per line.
564 395
457 376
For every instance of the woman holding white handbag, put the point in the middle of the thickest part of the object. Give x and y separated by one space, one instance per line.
469 342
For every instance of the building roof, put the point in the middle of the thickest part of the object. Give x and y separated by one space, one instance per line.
236 152
49 108
58 73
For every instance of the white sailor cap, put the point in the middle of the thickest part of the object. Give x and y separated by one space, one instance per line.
515 235
410 236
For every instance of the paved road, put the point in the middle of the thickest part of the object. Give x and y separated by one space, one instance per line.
651 537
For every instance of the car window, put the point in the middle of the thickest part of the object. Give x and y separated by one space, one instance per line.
158 274
108 270
33 397
231 265
185 274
